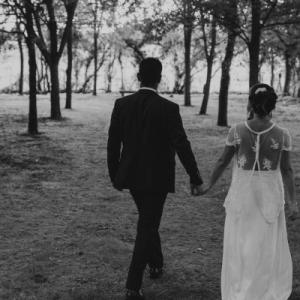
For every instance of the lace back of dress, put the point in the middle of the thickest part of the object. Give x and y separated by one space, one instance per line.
257 150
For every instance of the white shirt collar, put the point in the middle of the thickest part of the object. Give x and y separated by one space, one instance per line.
148 88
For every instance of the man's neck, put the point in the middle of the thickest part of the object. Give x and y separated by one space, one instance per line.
148 88
154 86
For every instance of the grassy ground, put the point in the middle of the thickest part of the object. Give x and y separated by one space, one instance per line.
66 234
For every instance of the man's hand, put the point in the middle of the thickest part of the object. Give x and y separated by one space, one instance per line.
197 190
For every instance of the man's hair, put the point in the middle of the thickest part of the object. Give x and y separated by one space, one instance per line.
150 71
262 99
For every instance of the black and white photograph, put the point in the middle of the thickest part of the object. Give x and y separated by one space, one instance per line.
149 150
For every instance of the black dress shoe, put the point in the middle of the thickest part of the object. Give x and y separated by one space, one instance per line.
155 273
133 295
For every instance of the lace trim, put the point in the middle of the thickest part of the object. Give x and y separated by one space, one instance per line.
260 132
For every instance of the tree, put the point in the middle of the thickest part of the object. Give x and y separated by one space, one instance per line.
172 47
20 45
188 29
44 14
53 56
28 15
23 11
288 41
6 35
84 59
209 49
98 9
68 104
231 12
185 16
255 17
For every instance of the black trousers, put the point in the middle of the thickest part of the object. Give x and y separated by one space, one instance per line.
147 248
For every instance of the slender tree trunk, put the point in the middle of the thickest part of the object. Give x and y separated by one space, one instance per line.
178 84
95 50
41 80
55 101
206 88
187 56
225 80
32 119
95 65
47 82
33 122
110 72
288 73
109 79
210 62
53 65
69 71
254 44
122 70
298 76
272 69
21 78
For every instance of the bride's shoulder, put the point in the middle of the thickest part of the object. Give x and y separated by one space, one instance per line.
238 126
282 129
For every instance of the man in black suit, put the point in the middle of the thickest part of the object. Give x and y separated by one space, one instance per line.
149 131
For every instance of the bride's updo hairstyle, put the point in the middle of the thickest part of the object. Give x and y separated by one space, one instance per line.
262 99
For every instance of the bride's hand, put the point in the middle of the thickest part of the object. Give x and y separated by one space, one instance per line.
205 188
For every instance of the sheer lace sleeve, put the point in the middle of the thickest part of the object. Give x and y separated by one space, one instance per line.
232 137
287 141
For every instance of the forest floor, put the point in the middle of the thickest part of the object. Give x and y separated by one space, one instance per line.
66 234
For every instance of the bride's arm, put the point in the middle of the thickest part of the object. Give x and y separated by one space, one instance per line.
221 165
288 180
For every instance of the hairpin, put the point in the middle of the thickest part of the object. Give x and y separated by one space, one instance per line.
261 89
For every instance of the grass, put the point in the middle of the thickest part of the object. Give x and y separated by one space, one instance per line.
66 234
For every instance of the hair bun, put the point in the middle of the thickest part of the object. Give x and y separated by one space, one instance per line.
262 99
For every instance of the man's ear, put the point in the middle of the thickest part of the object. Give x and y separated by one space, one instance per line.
138 76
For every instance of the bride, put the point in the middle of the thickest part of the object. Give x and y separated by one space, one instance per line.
257 262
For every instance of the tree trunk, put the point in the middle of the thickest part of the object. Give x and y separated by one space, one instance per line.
21 78
69 71
109 73
55 101
122 70
298 76
288 73
187 61
178 84
210 62
109 79
32 118
254 44
39 80
206 88
95 51
272 69
47 82
225 80
55 113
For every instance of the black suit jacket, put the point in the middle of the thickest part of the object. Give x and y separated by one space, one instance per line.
145 132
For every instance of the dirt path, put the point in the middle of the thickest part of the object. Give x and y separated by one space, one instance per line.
66 234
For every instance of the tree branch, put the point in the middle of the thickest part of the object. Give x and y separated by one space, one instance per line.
70 8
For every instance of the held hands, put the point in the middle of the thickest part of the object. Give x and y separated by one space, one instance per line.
198 190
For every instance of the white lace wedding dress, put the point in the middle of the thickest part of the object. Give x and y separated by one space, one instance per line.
257 263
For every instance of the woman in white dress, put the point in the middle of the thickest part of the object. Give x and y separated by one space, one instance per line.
257 262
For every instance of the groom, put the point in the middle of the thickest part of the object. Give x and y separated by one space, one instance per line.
148 129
